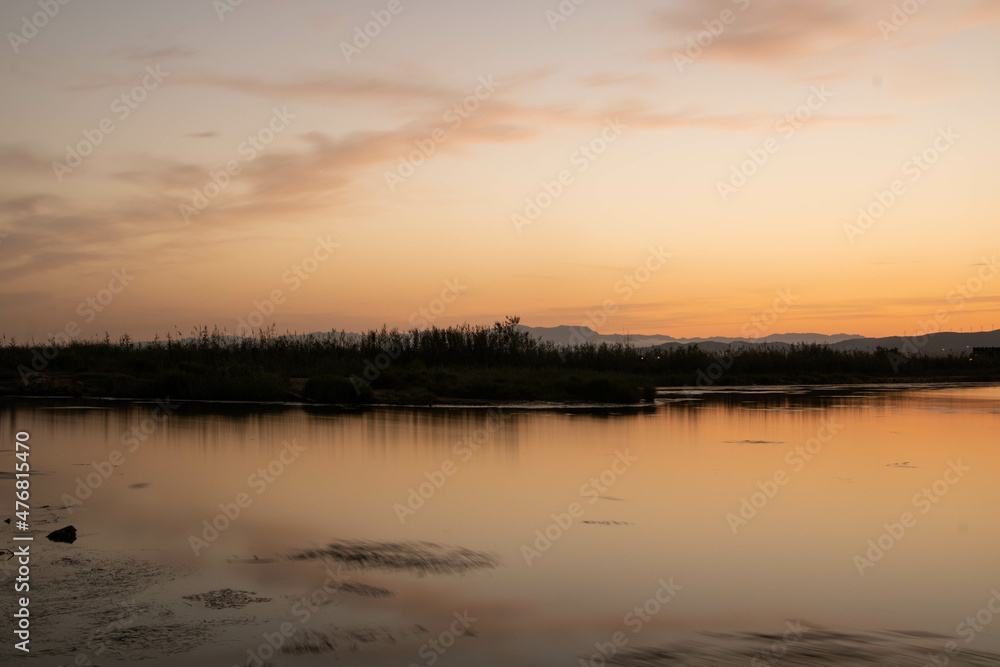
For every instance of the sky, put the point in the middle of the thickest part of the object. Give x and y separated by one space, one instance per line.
682 167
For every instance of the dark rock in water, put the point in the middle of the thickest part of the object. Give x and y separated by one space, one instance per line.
6 520
67 535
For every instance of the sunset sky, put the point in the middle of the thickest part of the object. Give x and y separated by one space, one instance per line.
610 118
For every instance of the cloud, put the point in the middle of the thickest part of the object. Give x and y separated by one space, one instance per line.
332 89
147 54
769 31
323 89
606 79
787 32
27 204
312 171
974 14
21 160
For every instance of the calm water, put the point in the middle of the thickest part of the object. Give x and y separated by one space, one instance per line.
645 498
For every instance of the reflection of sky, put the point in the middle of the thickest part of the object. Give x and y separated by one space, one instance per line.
793 560
325 175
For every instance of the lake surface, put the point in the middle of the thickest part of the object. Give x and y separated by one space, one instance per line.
866 512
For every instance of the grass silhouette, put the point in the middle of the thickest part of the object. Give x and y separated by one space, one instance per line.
497 363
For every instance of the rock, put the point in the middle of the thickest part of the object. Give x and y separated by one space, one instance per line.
67 535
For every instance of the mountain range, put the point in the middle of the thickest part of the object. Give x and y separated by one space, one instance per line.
939 343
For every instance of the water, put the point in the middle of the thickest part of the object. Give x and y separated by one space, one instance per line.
589 515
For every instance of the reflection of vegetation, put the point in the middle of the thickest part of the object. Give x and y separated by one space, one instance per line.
501 362
419 558
804 645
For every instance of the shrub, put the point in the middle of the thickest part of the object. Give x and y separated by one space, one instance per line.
336 389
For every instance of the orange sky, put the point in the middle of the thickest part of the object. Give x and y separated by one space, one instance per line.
468 162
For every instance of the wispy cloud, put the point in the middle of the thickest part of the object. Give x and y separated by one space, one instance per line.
787 32
146 54
324 89
22 160
772 31
607 79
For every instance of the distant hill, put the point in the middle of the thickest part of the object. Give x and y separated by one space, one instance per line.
941 343
567 335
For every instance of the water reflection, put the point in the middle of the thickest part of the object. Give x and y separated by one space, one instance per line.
497 481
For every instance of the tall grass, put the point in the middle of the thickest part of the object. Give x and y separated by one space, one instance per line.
465 361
